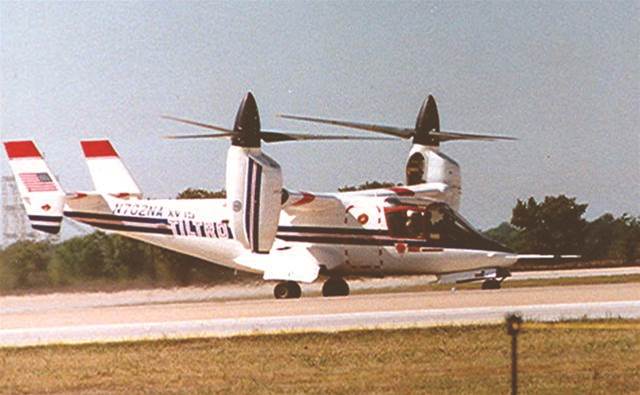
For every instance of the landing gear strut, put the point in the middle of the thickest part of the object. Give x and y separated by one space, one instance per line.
335 286
287 290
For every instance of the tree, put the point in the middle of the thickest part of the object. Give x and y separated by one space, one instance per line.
506 234
367 185
626 244
600 236
79 258
24 264
197 193
554 226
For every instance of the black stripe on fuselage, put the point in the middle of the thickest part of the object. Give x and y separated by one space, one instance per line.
355 240
146 220
53 229
380 240
334 230
248 201
46 218
255 231
128 228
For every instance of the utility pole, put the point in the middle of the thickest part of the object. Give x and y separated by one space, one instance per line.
514 322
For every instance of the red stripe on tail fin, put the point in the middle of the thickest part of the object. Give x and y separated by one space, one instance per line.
21 149
98 149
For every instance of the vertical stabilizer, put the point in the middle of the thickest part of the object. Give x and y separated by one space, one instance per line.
41 194
108 172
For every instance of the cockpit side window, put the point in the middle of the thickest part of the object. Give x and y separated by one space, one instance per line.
407 222
437 224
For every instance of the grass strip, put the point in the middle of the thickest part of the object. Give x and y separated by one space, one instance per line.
557 358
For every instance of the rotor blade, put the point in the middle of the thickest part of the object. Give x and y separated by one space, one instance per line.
271 136
202 125
404 133
198 136
451 136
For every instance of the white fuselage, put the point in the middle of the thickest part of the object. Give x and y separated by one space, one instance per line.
353 239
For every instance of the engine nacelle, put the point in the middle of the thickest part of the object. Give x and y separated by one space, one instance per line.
426 164
254 191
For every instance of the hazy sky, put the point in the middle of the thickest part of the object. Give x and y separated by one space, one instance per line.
563 77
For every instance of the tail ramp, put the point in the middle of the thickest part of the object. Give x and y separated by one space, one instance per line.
108 172
41 194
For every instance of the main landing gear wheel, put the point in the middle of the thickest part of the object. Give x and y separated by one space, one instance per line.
287 290
491 284
335 286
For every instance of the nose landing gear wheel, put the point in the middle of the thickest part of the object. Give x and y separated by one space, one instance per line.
335 286
287 290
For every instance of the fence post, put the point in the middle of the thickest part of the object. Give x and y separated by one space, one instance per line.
514 322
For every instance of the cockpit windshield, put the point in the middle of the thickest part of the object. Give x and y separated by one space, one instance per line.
437 224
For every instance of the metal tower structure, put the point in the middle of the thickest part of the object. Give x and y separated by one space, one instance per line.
14 219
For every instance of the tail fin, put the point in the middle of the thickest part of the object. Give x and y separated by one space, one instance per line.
41 194
108 172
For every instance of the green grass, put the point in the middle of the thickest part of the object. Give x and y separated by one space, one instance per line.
470 359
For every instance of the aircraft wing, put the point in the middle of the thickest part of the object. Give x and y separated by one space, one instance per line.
87 201
298 202
432 189
411 201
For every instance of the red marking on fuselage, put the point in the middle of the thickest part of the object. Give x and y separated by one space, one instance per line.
78 195
306 198
402 191
21 149
120 195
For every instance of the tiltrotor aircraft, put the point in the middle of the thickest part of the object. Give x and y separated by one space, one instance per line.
288 236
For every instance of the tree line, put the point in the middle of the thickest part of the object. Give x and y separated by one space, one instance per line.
552 226
556 226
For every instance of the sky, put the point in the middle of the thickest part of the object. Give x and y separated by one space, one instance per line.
562 77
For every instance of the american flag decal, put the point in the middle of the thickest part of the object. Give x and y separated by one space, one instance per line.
38 182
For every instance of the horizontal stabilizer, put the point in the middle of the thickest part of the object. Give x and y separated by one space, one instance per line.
88 202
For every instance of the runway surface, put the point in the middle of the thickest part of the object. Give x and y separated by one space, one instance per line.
43 319
260 290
